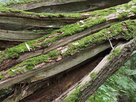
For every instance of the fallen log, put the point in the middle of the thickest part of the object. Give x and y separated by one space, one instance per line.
60 38
38 66
53 87
66 6
111 63
21 36
26 68
19 20
49 85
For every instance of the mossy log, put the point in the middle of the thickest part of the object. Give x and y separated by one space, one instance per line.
20 20
67 5
63 36
63 49
13 19
111 63
21 36
45 63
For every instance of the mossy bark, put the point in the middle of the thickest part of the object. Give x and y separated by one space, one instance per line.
68 33
104 69
67 47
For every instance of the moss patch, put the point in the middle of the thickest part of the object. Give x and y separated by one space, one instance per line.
74 96
115 53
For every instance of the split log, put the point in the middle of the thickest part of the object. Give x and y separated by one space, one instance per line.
38 66
11 19
67 5
53 87
89 84
61 37
49 85
21 20
63 49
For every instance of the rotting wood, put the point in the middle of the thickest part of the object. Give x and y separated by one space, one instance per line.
16 22
25 64
73 36
111 63
54 67
56 85
55 56
20 36
67 6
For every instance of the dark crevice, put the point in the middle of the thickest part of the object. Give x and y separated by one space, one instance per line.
7 44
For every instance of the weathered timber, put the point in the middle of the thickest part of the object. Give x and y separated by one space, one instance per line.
67 5
20 36
38 66
17 20
111 63
53 67
53 87
29 67
57 38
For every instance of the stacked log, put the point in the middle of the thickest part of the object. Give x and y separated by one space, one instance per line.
78 50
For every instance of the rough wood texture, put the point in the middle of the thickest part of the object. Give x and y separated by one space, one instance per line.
27 67
67 6
89 84
21 36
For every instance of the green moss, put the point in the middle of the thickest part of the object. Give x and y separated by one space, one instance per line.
4 9
93 75
54 36
76 46
32 62
115 53
99 37
67 30
74 96
1 76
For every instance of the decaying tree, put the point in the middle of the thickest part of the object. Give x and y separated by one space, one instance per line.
63 57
